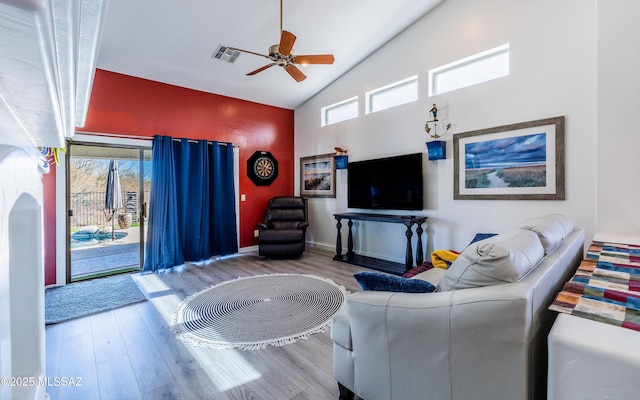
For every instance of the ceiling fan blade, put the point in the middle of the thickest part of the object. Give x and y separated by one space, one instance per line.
250 52
287 39
295 73
314 59
261 69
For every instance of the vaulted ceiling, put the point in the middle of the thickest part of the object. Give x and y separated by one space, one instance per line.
174 41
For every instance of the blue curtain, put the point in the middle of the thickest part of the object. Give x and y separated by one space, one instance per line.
192 213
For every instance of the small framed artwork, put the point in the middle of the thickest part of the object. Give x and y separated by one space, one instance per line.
523 161
318 176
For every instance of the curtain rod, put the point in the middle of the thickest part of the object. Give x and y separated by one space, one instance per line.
208 141
145 138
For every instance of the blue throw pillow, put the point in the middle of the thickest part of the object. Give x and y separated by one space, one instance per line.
390 283
481 236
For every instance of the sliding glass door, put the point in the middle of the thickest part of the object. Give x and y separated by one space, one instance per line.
107 191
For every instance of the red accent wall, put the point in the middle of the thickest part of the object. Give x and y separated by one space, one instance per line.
127 105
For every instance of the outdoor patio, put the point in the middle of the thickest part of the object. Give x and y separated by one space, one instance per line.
108 255
94 253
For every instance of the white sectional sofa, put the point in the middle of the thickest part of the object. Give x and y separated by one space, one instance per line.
481 335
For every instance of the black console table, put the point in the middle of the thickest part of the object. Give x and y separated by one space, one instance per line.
376 263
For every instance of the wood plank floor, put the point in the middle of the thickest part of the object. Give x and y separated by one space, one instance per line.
130 353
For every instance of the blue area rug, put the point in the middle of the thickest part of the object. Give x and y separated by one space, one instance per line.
85 298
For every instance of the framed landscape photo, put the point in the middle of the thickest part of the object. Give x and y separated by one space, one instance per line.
522 161
318 176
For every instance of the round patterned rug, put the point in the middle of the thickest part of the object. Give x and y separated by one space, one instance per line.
251 313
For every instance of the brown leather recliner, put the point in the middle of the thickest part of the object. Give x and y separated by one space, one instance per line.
283 232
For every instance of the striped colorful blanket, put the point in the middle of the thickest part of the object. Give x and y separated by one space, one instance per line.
605 287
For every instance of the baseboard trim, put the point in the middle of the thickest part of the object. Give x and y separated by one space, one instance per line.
248 249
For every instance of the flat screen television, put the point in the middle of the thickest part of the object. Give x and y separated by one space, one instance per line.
392 183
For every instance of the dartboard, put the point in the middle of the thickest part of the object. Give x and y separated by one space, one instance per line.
262 168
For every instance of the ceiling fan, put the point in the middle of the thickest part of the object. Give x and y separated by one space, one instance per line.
282 55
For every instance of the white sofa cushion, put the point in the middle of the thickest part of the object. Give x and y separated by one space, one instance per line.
432 276
504 258
551 229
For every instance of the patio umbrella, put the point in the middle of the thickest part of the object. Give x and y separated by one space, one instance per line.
113 195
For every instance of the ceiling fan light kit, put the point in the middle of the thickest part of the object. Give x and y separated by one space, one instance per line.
282 55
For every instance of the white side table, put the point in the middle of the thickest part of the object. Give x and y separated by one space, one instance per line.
590 360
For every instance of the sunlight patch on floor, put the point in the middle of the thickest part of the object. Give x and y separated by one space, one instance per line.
151 284
160 295
226 368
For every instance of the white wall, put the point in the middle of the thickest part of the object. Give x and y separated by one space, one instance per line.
618 124
553 73
22 335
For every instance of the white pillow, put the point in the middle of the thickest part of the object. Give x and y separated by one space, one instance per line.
551 229
504 258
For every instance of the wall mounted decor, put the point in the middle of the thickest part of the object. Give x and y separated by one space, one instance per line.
318 176
342 159
522 161
436 149
262 168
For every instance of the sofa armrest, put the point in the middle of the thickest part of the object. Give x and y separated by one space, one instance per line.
395 335
302 225
407 343
341 329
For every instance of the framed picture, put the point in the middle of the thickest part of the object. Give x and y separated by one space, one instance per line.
522 161
318 176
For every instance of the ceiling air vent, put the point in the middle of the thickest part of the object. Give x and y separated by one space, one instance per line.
226 54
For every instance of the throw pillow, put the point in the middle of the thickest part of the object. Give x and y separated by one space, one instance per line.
390 283
504 258
481 236
425 266
443 258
